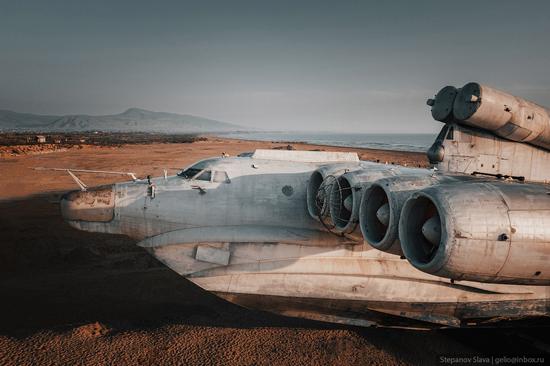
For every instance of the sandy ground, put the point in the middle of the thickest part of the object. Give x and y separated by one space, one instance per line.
71 297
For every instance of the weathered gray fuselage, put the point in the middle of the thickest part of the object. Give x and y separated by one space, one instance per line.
324 236
250 239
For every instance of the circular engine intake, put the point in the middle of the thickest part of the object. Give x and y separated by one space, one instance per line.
381 205
348 189
342 201
422 230
319 188
378 219
315 197
487 232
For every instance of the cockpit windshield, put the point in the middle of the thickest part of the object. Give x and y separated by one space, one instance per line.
195 169
189 173
206 175
201 171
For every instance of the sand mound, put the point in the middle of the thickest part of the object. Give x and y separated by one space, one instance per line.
30 149
92 330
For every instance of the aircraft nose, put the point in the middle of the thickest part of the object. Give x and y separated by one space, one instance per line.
95 204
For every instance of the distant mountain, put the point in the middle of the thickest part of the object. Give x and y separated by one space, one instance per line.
132 120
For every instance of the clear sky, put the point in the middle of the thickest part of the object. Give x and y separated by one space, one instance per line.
365 66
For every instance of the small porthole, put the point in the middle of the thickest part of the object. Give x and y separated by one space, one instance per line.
288 191
537 273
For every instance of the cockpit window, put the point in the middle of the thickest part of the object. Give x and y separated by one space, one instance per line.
221 177
189 173
201 171
195 169
205 175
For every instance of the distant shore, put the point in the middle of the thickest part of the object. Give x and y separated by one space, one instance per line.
417 142
407 158
27 144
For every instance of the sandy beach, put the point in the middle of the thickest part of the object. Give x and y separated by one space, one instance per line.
71 297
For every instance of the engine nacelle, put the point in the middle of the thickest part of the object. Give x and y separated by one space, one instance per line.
496 232
318 188
347 190
381 205
500 113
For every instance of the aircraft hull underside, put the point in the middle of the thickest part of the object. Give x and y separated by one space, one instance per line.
393 314
351 284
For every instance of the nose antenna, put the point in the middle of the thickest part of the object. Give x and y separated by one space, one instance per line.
81 184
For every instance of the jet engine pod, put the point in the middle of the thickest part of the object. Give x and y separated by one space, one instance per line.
346 192
319 186
503 114
381 205
487 105
495 232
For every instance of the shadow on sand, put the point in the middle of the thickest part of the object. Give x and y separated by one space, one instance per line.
55 278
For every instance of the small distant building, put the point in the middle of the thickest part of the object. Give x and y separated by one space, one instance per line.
57 141
41 139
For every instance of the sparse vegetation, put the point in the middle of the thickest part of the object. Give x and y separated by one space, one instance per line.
95 138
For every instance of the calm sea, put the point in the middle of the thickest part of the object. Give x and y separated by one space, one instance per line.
402 142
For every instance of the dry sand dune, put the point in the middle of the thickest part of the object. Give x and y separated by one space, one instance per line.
71 297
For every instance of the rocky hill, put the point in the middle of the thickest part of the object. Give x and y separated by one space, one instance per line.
132 120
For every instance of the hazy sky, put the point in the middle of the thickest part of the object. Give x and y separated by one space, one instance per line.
363 66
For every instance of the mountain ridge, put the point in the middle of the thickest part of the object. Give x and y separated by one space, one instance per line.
131 120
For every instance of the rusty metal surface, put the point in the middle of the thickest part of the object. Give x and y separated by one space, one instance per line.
393 192
96 205
490 232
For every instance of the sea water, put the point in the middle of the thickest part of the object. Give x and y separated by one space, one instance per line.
400 142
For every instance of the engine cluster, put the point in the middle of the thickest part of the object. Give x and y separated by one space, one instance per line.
457 226
452 226
505 115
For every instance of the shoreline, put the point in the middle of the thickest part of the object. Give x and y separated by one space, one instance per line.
415 142
400 157
396 157
298 142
